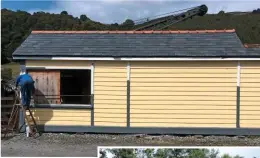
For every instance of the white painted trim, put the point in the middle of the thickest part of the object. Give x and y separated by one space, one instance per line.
61 67
92 77
238 73
128 71
136 59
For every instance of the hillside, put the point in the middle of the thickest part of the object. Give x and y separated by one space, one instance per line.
16 26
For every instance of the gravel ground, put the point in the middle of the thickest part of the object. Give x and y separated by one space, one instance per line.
86 144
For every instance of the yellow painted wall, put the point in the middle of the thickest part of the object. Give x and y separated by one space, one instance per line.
110 93
183 94
61 116
250 94
57 63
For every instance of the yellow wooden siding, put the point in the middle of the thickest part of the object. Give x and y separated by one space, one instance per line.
58 63
183 94
62 117
250 94
110 93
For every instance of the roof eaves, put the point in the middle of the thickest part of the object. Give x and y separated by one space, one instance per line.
134 32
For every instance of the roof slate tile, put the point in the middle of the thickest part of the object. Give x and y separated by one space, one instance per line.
215 43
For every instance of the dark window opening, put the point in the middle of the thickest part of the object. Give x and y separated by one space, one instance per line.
75 86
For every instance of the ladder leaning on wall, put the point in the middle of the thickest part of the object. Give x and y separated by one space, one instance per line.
31 125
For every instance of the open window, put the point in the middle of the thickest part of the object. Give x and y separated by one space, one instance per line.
75 86
62 86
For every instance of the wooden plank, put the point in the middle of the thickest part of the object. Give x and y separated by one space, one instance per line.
249 89
249 85
110 79
243 112
183 102
250 94
57 63
243 98
248 103
110 115
61 110
246 125
108 70
250 64
108 101
190 121
190 98
251 80
250 108
188 75
113 124
183 71
110 84
177 80
218 108
250 121
115 75
121 120
181 125
216 85
115 111
244 75
186 64
109 97
110 93
85 119
174 93
182 116
110 106
110 64
250 71
60 114
164 111
110 88
76 123
250 117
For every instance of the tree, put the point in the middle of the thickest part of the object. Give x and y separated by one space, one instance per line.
221 12
226 156
84 17
257 11
64 13
103 153
149 153
128 24
123 153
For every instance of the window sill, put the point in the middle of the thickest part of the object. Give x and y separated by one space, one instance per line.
63 106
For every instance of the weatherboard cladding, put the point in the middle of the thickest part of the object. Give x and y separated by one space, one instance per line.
208 43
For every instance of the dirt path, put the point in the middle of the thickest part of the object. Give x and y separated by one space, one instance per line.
86 144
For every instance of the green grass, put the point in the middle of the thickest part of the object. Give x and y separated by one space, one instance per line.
15 68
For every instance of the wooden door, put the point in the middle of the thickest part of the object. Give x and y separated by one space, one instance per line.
47 86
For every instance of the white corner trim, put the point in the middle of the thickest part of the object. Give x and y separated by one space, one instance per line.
128 71
238 73
92 77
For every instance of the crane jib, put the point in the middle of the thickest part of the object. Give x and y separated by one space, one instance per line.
166 21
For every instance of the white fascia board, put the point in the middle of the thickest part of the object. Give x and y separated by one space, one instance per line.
137 59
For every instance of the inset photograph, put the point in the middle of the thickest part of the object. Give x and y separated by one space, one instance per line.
179 152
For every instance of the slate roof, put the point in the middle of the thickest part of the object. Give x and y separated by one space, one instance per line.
205 43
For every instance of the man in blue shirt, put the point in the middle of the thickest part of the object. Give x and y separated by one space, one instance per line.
26 83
